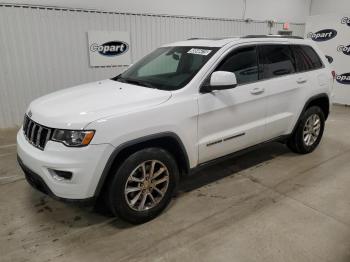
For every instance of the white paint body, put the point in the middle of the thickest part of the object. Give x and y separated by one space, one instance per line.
223 78
121 112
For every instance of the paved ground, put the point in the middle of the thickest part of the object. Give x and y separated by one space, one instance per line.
269 205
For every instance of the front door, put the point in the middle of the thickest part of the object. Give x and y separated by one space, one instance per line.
233 119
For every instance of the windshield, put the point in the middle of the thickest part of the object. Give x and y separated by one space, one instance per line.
167 68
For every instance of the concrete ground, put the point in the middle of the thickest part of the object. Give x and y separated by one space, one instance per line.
269 205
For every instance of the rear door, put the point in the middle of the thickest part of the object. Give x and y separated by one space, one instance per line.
293 75
281 83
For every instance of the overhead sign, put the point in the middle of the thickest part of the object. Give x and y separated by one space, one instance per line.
109 48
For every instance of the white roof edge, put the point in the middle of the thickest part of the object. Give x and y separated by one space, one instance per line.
207 42
204 42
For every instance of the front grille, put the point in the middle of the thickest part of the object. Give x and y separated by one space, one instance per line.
35 133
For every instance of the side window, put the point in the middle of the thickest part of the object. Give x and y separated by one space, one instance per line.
243 62
306 58
276 60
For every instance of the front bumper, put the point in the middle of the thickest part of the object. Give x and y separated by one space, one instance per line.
38 183
85 163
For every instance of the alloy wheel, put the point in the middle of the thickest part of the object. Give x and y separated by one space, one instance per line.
312 129
146 185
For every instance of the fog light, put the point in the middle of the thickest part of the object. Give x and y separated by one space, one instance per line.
61 175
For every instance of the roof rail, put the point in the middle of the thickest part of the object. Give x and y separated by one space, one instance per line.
273 36
211 38
247 36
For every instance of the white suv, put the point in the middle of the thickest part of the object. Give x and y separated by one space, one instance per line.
129 139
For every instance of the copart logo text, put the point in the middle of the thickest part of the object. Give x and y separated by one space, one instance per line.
344 49
323 35
343 78
113 48
345 20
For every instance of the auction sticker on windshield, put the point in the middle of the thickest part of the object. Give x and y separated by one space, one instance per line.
197 51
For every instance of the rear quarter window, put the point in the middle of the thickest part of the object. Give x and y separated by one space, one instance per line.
306 58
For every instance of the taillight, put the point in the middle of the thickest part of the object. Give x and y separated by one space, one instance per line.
333 74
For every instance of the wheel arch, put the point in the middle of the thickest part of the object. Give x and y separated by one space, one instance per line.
166 140
321 100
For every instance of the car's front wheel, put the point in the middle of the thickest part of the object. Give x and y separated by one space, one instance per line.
309 131
143 185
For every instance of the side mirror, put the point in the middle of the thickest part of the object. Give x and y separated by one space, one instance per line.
220 80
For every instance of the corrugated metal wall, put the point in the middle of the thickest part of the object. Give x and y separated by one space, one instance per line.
44 49
298 29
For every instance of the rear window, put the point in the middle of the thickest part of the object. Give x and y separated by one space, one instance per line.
275 60
306 58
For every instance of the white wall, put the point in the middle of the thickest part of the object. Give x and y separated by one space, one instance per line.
43 50
319 7
278 10
30 67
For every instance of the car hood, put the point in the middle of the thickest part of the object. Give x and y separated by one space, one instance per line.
74 108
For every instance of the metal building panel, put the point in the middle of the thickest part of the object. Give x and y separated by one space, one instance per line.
297 29
45 49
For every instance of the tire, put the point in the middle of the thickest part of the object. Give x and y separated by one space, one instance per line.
130 177
300 142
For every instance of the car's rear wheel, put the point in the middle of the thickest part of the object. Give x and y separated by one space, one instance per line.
143 185
309 131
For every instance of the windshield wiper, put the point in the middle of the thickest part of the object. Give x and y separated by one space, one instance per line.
140 83
135 82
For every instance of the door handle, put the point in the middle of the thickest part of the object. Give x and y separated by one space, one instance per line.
257 91
301 80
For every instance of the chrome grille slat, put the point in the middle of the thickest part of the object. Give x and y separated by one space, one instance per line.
32 132
47 136
28 128
36 134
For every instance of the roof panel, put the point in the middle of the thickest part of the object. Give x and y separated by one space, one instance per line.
215 42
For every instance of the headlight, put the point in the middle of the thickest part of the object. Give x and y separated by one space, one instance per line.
73 137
